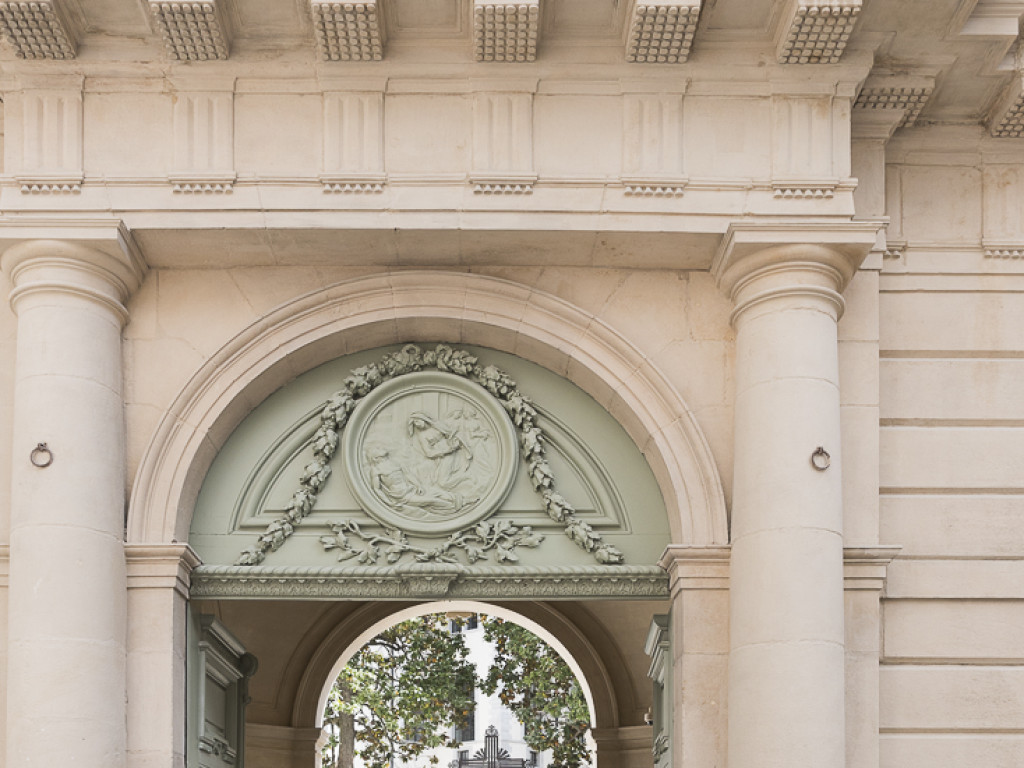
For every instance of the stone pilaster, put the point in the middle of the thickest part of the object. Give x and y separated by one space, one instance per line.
67 602
158 582
276 746
699 583
787 644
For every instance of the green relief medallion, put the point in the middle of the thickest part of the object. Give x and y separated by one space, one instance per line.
430 453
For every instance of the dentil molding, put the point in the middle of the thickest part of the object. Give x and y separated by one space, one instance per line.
505 31
193 31
1008 118
816 31
348 31
661 31
42 29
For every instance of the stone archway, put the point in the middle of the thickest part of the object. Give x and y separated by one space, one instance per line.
360 315
421 306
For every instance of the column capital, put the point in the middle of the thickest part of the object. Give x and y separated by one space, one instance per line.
757 261
866 568
160 566
99 261
696 567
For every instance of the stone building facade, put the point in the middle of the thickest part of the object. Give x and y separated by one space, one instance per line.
770 249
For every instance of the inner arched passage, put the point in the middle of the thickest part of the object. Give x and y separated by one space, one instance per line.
300 643
418 653
453 607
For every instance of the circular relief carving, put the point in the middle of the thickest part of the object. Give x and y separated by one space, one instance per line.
430 453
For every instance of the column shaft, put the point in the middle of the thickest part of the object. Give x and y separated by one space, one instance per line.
66 663
786 663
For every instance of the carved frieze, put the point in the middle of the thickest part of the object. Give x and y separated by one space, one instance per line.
894 249
652 156
503 143
816 31
353 150
51 131
39 30
661 31
798 190
203 142
432 581
803 156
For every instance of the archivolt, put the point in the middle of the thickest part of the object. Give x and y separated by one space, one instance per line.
424 307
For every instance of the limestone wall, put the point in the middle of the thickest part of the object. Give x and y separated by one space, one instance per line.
952 449
679 319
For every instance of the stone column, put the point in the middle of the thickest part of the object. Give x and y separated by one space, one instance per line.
786 647
66 657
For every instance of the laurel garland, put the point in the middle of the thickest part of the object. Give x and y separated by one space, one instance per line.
501 538
363 380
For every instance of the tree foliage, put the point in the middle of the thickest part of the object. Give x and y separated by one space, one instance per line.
541 690
404 691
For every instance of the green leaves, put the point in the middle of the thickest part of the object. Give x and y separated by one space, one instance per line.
541 690
406 690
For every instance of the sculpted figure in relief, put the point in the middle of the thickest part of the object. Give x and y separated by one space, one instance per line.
438 468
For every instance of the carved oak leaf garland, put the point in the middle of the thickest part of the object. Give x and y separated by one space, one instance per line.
501 537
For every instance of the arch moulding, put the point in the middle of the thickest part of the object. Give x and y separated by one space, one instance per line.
425 306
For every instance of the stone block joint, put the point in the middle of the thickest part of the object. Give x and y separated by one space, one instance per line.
38 30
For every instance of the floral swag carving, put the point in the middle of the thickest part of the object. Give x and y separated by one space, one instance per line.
502 537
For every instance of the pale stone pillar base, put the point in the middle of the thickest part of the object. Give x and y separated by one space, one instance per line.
864 579
276 746
625 747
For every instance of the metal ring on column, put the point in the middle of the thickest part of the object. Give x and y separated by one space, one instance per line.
41 456
820 459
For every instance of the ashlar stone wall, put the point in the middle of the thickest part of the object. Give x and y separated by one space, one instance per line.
952 448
